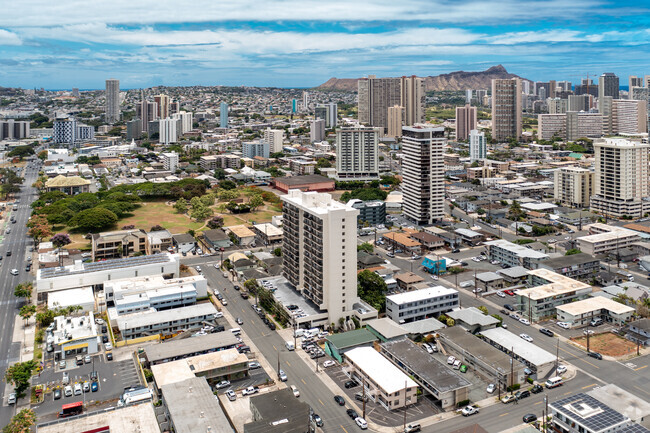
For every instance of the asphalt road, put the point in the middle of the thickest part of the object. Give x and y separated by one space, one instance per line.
18 242
270 344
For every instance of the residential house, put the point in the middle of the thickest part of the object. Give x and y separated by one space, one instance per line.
117 244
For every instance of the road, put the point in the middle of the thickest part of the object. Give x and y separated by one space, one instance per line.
271 344
17 242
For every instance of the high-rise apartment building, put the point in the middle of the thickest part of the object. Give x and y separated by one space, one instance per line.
170 161
223 115
316 130
481 94
468 96
608 85
329 113
169 130
580 124
174 107
642 94
375 96
14 129
621 178
162 101
573 186
305 100
395 121
551 125
605 107
146 111
274 137
69 131
564 86
552 87
412 97
112 111
629 116
506 109
319 253
465 121
634 81
133 129
556 105
423 174
357 154
187 120
579 102
477 145
251 149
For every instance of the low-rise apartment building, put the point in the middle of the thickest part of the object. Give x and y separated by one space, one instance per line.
580 313
577 266
512 255
606 238
117 244
421 304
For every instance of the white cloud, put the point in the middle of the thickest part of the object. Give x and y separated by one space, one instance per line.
9 38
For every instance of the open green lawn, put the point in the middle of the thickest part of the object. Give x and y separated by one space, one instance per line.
157 212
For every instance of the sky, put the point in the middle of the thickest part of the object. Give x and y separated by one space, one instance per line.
302 43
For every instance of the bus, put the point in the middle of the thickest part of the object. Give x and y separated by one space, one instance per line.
134 395
71 409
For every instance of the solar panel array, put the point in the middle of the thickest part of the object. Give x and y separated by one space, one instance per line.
601 421
105 265
634 428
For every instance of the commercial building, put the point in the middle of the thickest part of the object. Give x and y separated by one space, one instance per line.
605 238
465 121
337 345
133 294
371 212
513 255
159 241
573 186
173 350
112 109
482 356
74 335
506 109
113 420
396 116
384 383
318 258
421 304
629 116
423 174
624 402
549 291
274 138
357 154
582 413
477 145
71 185
576 266
279 412
166 323
96 273
117 244
444 385
580 313
170 161
537 359
311 182
621 178
11 129
251 149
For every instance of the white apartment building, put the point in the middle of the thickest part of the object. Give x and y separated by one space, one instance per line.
477 145
604 238
357 154
573 186
212 162
186 121
621 178
319 254
552 125
581 313
112 109
423 171
274 137
168 131
579 124
421 304
118 289
170 161
582 413
629 116
513 255
556 105
316 130
166 323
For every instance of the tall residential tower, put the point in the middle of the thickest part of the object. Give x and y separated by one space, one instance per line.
112 112
506 109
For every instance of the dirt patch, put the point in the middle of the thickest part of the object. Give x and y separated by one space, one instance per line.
607 344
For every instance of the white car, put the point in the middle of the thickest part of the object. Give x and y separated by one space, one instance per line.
231 395
457 364
329 363
469 410
295 391
526 337
490 388
427 348
249 391
563 325
500 294
561 369
361 423
223 384
108 346
451 360
524 321
435 277
477 290
588 331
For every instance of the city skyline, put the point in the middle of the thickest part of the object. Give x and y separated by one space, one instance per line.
302 44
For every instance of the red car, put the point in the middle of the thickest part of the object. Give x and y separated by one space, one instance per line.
509 292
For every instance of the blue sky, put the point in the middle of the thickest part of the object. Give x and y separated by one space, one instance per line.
79 43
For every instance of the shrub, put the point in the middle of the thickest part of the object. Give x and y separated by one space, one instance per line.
462 403
513 387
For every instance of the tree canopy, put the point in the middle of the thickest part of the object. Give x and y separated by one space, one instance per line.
93 220
372 289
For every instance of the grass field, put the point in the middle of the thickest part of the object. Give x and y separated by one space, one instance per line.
157 212
607 344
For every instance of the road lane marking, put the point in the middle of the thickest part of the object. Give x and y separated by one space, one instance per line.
593 365
343 428
640 368
322 404
504 414
303 381
589 386
642 390
288 363
274 348
539 402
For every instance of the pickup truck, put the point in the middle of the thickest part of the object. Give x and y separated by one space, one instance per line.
412 428
250 390
469 410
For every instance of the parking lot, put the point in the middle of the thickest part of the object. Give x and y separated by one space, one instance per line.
113 377
376 412
256 377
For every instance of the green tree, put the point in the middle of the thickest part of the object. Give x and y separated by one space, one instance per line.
215 222
277 251
372 289
23 290
256 201
227 184
22 422
27 311
367 247
21 151
93 220
42 155
200 212
228 195
483 309
572 251
515 213
20 373
181 205
208 199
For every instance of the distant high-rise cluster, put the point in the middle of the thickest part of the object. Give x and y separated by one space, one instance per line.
376 95
112 112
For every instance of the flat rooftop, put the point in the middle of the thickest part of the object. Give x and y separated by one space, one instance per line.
568 261
478 348
591 413
621 401
519 250
472 316
106 265
315 202
302 180
152 317
429 368
595 304
607 233
558 285
241 231
353 338
419 295
128 419
188 346
530 352
383 372
386 327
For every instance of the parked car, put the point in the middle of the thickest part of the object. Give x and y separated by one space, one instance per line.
561 369
223 384
78 390
339 400
412 428
530 417
361 423
94 387
490 388
67 391
11 399
563 325
509 292
282 376
254 365
469 410
109 356
250 390
509 398
360 396
595 355
317 419
295 391
524 321
547 332
351 384
231 395
352 413
522 394
508 307
500 294
239 321
86 386
57 393
451 360
536 389
329 363
457 364
427 348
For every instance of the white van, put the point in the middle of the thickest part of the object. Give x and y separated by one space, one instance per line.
298 332
289 345
236 331
554 381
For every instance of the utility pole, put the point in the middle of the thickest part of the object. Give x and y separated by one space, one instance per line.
546 416
278 363
405 385
557 354
592 318
363 390
512 370
475 285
